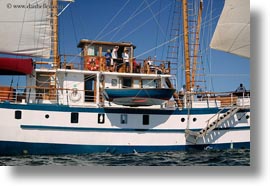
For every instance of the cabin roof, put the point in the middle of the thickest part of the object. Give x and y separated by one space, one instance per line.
84 42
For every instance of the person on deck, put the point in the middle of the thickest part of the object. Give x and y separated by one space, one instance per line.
108 57
198 91
115 57
241 88
182 94
126 60
150 64
240 91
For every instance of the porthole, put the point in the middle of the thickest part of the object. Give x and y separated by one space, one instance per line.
247 116
47 116
194 119
101 118
123 119
182 119
74 117
18 114
145 119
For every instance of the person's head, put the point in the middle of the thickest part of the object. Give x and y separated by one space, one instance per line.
116 47
109 51
126 51
184 86
241 85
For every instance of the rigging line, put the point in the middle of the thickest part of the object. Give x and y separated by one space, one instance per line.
143 23
120 10
168 26
154 16
157 35
79 54
20 39
46 30
130 17
73 25
82 24
203 25
210 51
227 75
64 8
162 44
116 28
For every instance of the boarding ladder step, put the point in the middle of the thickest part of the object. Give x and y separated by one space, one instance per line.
193 136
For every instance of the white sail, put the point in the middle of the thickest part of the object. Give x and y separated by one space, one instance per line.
25 27
232 33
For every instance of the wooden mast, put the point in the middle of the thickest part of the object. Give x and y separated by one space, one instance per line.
196 49
56 61
186 46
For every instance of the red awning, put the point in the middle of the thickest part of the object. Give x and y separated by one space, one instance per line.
13 66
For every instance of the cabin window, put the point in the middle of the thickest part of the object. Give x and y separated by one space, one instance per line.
114 82
145 119
149 83
74 117
123 119
136 83
127 82
18 114
47 116
91 51
101 118
183 119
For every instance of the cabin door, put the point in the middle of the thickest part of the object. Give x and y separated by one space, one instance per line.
90 88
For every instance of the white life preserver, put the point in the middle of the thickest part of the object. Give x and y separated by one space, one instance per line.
74 95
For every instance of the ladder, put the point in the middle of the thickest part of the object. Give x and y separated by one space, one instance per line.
221 116
174 44
194 14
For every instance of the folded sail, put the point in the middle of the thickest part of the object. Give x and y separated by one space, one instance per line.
25 27
232 33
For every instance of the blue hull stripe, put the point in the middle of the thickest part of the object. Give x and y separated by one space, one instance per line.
86 129
64 108
22 148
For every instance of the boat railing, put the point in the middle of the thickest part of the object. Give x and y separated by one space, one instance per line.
37 94
98 63
67 61
214 99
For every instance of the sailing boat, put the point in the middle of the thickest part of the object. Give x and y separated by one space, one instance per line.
69 109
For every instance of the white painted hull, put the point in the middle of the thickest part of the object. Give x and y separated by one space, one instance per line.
165 131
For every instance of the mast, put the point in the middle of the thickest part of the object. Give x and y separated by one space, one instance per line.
186 46
196 49
56 61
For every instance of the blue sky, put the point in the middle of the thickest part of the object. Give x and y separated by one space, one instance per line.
145 23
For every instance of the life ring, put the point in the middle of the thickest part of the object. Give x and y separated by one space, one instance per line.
92 64
74 95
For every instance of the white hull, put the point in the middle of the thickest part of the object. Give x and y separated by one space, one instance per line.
112 130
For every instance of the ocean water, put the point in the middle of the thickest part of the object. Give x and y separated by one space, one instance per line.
240 157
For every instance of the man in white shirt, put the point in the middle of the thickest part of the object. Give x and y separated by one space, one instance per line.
126 59
115 57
